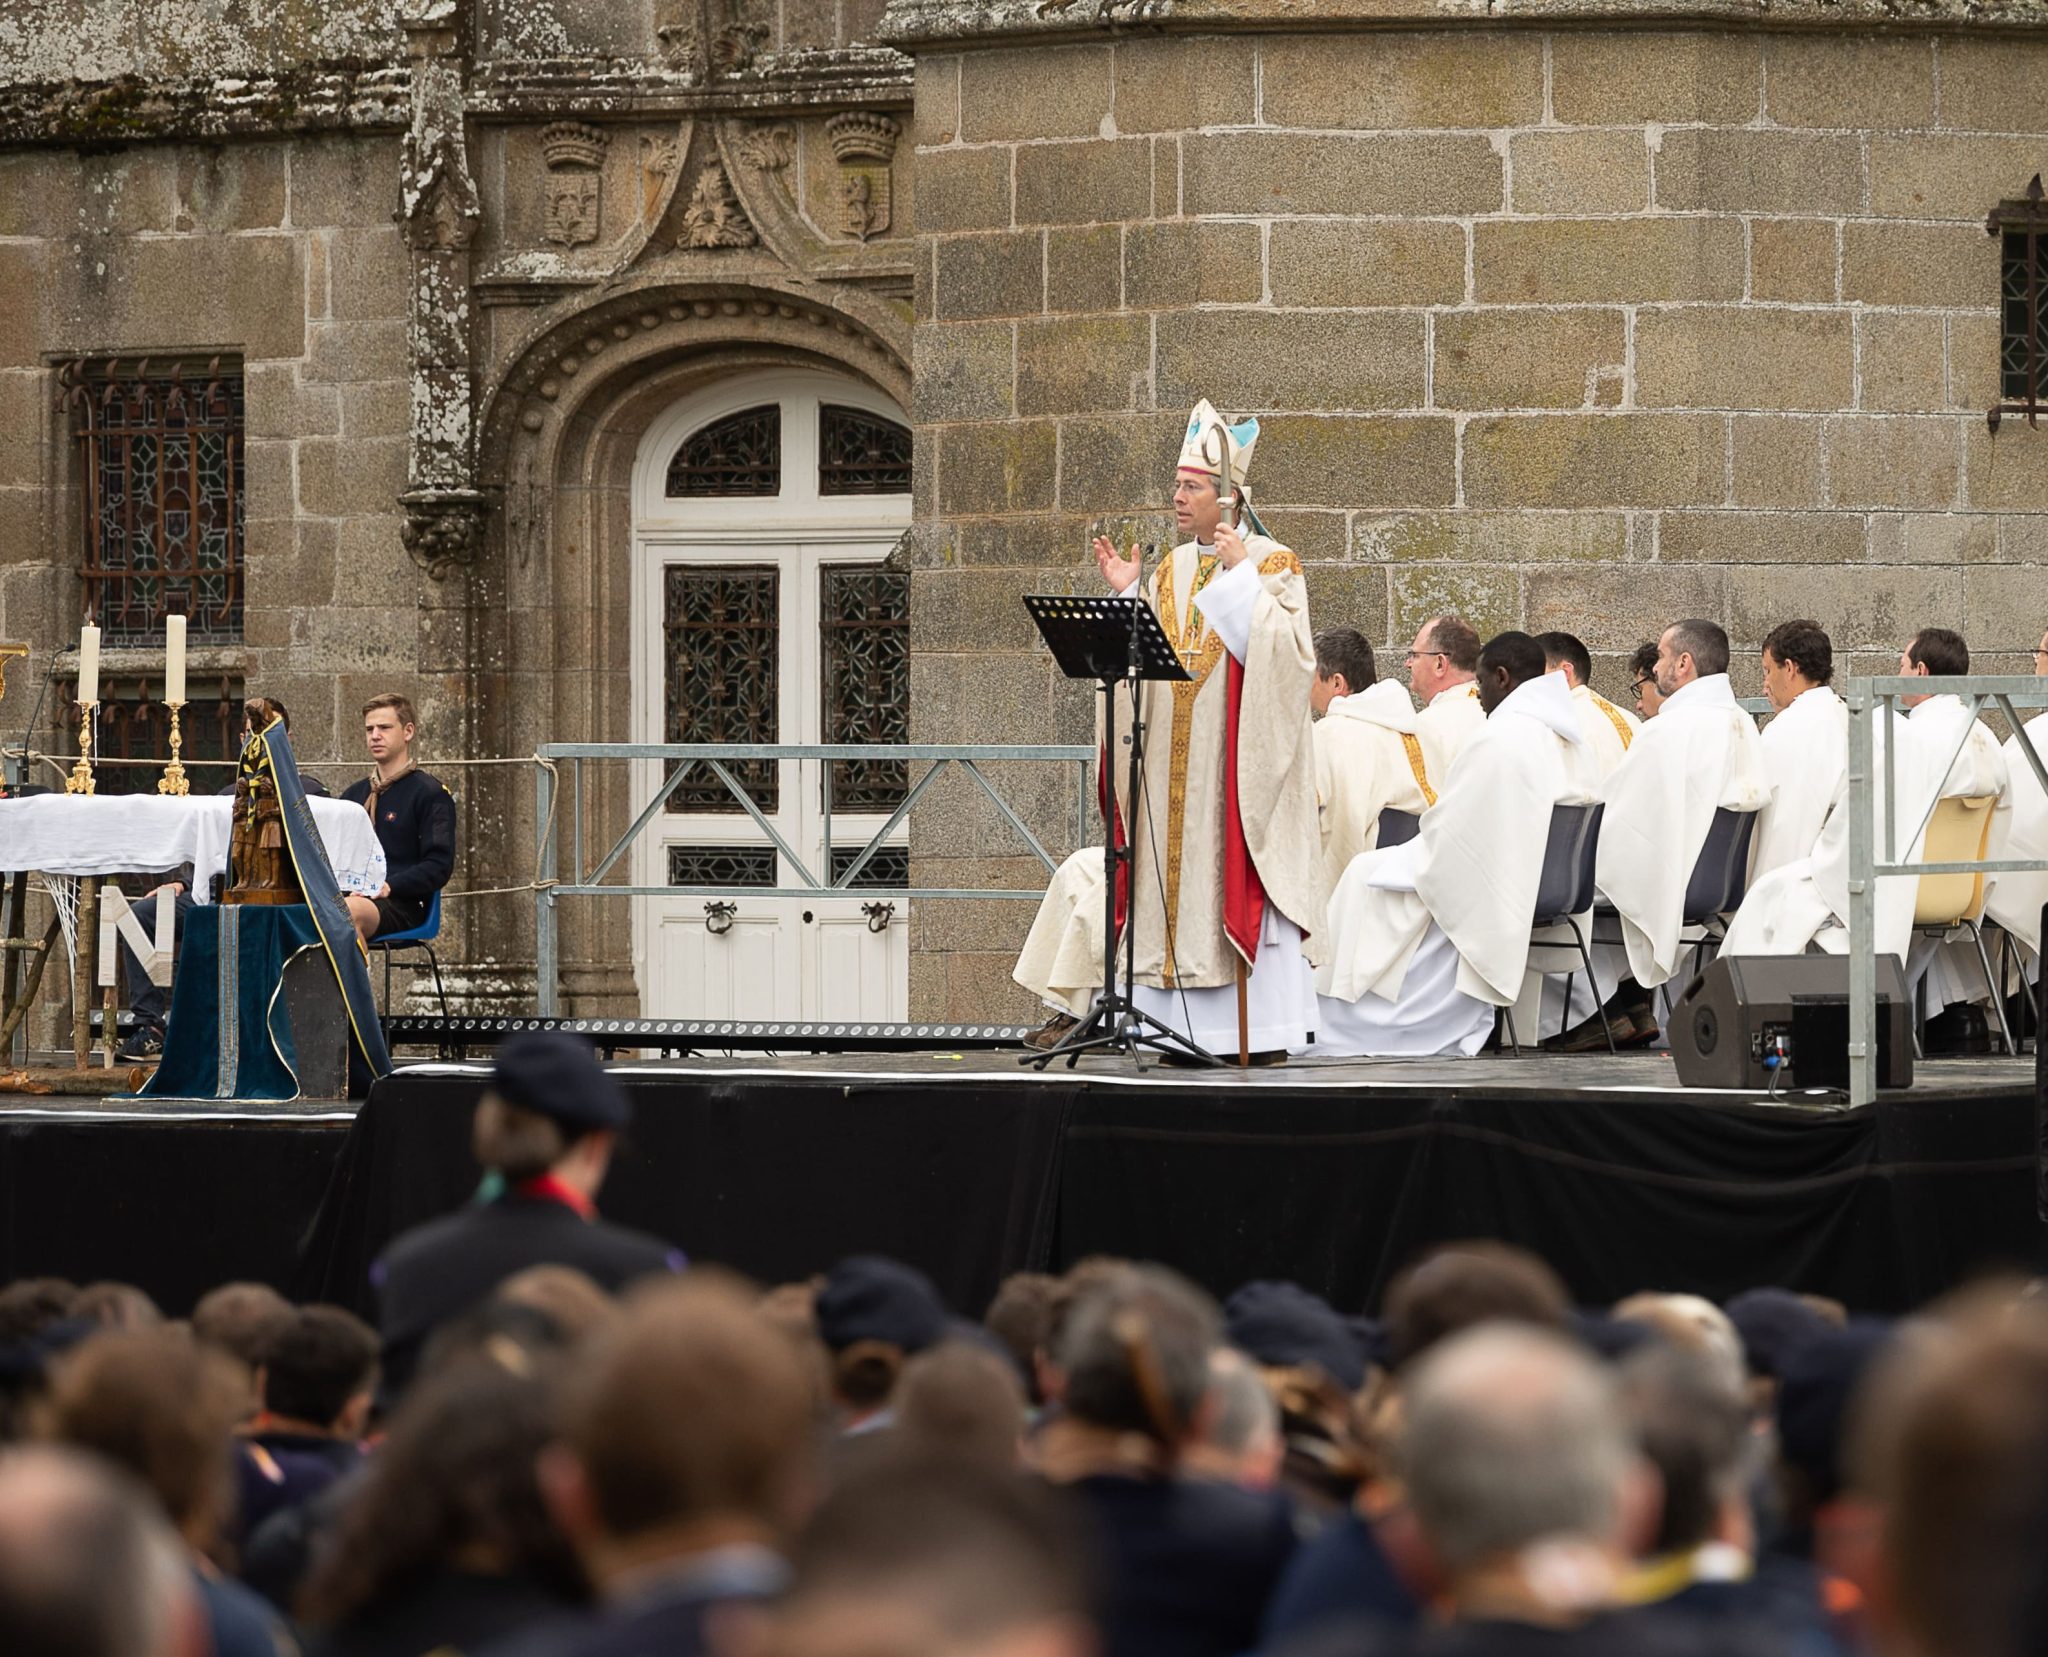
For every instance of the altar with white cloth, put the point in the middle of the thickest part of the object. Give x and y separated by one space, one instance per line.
84 837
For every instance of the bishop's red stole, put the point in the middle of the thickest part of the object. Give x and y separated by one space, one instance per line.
1244 894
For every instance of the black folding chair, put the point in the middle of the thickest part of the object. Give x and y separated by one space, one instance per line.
1565 892
1720 878
1397 828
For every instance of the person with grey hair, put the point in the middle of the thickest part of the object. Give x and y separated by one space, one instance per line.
1691 1414
1187 1562
88 1567
1530 1493
1240 1442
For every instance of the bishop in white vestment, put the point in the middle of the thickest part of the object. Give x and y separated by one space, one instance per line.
1428 939
1226 867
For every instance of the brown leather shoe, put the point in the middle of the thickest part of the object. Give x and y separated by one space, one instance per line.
1049 1034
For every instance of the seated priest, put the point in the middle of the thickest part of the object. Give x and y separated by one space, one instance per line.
1953 975
414 817
1642 679
1609 730
2015 899
149 1002
1429 939
1805 746
1805 903
1441 663
1368 757
1700 755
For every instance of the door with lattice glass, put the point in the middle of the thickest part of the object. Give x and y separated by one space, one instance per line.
766 614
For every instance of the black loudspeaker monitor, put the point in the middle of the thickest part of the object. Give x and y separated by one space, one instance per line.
1744 1008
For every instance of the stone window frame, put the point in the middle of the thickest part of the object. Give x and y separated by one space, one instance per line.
2021 226
213 384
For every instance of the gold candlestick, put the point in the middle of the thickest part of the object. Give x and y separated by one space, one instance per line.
173 781
80 780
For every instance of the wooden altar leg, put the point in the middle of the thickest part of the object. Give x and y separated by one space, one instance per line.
16 940
82 974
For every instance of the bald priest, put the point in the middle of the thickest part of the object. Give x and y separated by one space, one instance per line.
1225 878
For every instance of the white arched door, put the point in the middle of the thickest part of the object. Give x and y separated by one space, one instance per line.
763 613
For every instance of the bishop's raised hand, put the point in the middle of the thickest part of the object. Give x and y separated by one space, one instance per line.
1120 573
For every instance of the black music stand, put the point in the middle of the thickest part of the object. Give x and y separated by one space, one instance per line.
1113 640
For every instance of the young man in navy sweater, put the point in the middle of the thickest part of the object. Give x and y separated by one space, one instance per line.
414 817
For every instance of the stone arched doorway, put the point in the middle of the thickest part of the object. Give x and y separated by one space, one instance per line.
764 508
551 613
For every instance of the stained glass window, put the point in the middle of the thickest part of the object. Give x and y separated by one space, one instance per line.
161 497
866 627
719 648
861 453
721 866
739 455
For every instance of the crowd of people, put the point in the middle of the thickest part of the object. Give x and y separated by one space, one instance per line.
564 1442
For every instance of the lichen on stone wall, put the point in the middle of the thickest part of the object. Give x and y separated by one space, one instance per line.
44 41
129 107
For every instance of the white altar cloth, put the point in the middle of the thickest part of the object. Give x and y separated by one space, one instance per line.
106 834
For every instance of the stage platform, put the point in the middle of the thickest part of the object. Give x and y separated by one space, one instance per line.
1332 1173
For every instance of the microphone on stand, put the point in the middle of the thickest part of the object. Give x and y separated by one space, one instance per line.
21 785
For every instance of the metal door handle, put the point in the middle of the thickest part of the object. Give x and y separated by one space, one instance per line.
879 915
718 917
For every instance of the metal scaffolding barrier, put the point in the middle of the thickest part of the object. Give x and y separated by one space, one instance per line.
1869 701
588 880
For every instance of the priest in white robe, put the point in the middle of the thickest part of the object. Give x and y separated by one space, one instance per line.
1953 974
1609 729
1429 939
1699 755
1555 963
1061 961
1368 757
1225 883
1805 746
1805 904
1441 665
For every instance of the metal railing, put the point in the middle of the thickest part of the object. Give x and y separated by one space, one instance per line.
588 880
1869 700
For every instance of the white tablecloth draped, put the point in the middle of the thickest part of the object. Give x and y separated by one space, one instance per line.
105 834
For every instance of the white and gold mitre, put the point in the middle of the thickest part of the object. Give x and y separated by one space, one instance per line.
1210 439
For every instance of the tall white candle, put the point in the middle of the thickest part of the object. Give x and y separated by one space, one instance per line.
174 659
89 664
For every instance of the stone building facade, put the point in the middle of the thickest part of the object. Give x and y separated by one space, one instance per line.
1560 317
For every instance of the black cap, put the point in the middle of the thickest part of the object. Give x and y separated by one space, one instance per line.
1283 1326
1816 1387
558 1075
869 1298
1772 1324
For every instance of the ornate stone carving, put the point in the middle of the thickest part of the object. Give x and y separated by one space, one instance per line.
767 149
864 201
713 37
438 206
443 528
572 152
864 140
714 217
863 135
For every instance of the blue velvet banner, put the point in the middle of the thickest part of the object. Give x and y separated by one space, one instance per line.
229 1036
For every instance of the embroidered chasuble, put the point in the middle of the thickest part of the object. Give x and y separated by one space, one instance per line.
1226 826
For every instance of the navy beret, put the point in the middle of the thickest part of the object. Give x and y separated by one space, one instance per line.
1816 1387
1772 1324
558 1075
869 1298
1283 1326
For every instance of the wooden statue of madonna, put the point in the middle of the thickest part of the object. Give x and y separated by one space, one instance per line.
259 867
